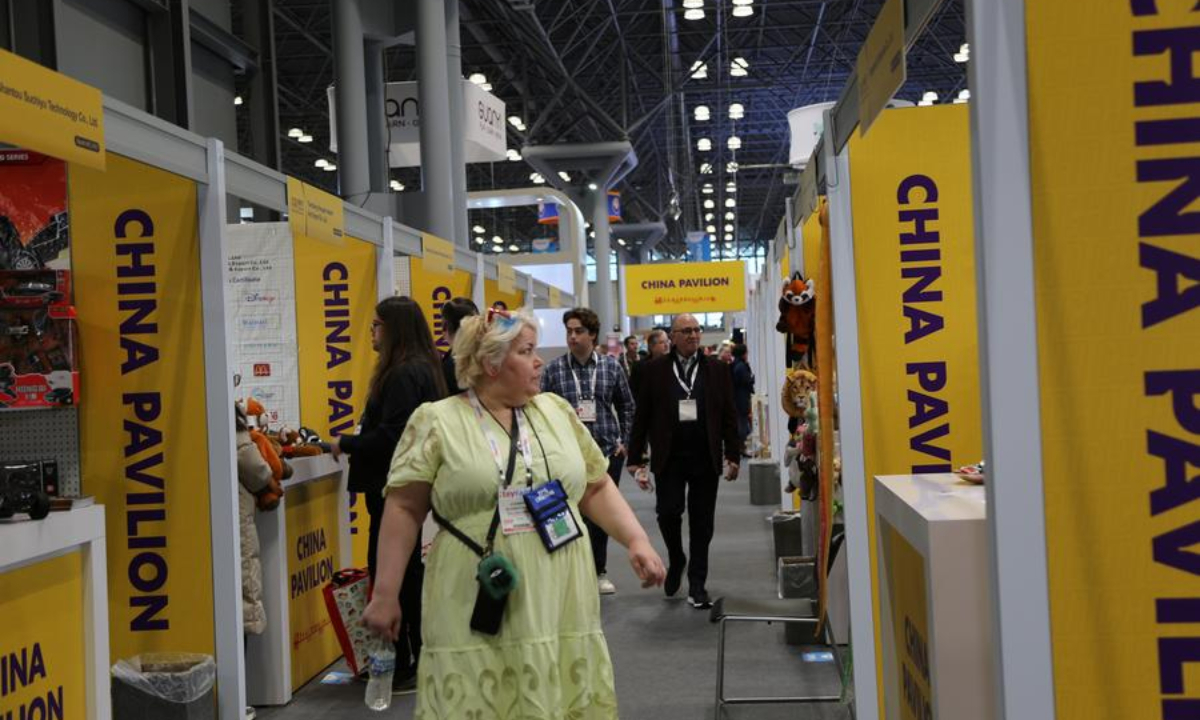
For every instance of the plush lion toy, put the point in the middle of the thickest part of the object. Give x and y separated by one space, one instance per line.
797 315
799 391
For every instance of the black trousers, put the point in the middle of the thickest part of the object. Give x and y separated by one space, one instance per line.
597 535
408 646
687 482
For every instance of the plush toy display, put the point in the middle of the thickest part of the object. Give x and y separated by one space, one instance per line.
799 393
797 316
256 415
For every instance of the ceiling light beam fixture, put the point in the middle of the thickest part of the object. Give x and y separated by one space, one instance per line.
739 67
694 14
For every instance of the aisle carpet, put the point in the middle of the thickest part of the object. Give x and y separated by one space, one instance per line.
664 652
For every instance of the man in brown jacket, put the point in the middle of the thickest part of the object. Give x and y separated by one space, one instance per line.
685 409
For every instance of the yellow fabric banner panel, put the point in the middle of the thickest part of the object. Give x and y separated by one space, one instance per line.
432 291
335 304
810 236
143 436
669 288
912 696
910 183
785 262
1116 242
43 648
817 235
312 542
492 294
51 113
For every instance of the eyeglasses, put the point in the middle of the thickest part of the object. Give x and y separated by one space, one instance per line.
688 331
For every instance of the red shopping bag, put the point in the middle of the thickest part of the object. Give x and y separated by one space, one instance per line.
346 598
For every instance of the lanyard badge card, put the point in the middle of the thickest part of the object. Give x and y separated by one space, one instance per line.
586 409
688 412
552 516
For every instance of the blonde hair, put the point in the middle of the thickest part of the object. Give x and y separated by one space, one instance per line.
479 344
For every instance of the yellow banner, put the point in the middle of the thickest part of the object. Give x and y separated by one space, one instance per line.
913 692
312 543
915 272
438 254
334 310
667 289
555 300
785 261
881 67
492 294
49 112
432 291
810 234
315 213
43 647
143 438
506 278
1117 261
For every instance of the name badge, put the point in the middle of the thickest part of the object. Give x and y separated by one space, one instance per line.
552 516
587 410
687 411
514 513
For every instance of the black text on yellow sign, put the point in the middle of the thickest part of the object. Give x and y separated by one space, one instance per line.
51 113
685 287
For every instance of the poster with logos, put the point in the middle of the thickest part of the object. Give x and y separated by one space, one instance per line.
262 295
34 232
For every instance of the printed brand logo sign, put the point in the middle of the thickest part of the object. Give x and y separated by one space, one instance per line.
315 213
438 254
144 446
51 113
882 66
665 289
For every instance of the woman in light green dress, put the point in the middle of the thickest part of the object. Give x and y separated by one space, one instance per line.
549 661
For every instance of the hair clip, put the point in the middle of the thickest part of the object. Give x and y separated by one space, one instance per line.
505 317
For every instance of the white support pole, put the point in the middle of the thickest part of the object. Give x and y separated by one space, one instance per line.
1008 355
854 480
95 628
222 453
477 288
385 261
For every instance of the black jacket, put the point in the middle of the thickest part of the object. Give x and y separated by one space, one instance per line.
656 414
406 388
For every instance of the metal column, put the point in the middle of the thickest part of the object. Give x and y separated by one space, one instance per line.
350 99
378 170
602 303
458 165
436 139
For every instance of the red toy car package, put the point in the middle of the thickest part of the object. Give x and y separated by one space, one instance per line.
34 288
37 357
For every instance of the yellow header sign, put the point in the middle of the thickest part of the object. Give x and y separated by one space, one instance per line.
1114 196
555 297
49 112
315 213
667 289
882 65
506 278
438 254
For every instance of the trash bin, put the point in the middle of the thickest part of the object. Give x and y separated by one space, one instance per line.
764 482
788 530
164 686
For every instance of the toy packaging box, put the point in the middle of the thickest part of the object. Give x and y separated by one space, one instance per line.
38 365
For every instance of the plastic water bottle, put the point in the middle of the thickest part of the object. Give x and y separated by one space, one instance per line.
381 664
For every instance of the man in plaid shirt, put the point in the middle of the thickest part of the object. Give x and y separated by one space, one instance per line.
596 386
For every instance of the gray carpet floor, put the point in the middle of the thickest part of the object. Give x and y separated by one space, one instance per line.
664 652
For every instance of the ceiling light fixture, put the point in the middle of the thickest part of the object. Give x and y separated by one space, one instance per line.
694 14
737 111
514 248
742 11
330 167
237 99
513 155
479 241
928 99
537 179
964 53
693 4
486 86
710 228
704 144
706 168
963 96
498 248
730 215
478 78
728 227
739 67
699 70
707 189
479 229
593 186
708 217
295 133
734 142
305 138
728 236
565 177
321 162
497 240
709 204
701 113
730 203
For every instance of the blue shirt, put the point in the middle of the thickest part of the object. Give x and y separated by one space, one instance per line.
605 382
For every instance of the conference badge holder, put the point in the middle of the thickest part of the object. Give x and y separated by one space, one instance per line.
552 516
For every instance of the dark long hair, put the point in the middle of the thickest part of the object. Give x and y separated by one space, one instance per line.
406 338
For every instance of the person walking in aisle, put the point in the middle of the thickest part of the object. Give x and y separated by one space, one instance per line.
657 345
525 640
629 358
596 387
407 374
685 412
743 388
453 313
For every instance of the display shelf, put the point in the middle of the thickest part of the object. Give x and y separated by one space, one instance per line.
27 542
933 571
311 469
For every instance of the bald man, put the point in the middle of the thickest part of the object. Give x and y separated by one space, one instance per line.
685 411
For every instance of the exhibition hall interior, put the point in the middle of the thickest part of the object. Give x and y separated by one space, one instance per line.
597 359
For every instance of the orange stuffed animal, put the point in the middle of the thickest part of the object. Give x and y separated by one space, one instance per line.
797 315
280 470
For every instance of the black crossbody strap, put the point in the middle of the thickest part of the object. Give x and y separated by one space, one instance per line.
475 547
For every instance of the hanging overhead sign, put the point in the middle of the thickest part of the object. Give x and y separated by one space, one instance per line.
506 279
882 67
51 113
314 213
666 289
484 133
1118 362
438 254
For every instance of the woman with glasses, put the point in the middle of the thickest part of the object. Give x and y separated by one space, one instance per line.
407 374
512 617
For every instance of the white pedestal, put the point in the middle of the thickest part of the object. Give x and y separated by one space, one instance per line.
27 543
935 598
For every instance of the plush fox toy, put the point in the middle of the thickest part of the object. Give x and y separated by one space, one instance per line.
280 470
797 314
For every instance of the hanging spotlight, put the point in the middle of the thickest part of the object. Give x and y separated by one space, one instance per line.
513 248
305 139
693 14
742 11
963 96
731 166
699 70
593 186
237 100
498 248
964 53
321 162
513 155
479 230
739 67
707 189
710 228
709 204
478 78
730 203
497 240
480 241
730 215
928 99
537 179
708 217
704 144
706 168
734 142
728 228
692 4
736 111
701 113
295 133
731 187
565 177
621 242
330 167
728 236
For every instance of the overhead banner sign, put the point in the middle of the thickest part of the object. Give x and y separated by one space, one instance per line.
50 112
484 128
312 558
438 254
315 213
333 331
43 651
143 440
667 289
555 300
506 279
1116 243
910 184
882 66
